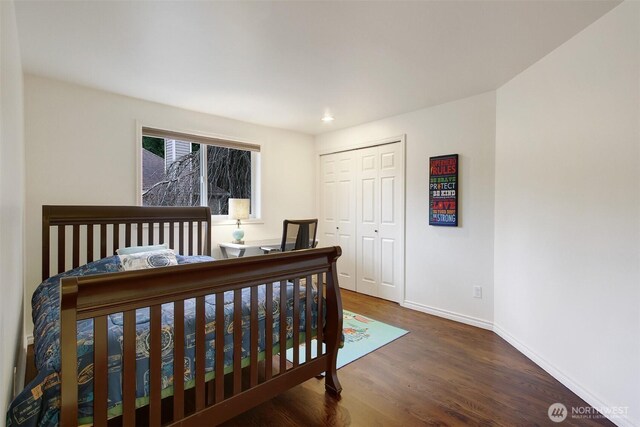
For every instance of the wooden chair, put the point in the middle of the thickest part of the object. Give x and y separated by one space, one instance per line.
296 234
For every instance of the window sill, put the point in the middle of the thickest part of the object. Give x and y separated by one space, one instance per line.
215 222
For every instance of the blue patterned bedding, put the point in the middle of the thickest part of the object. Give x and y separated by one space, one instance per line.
38 404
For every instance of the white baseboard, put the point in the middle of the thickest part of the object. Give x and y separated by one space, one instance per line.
462 318
568 382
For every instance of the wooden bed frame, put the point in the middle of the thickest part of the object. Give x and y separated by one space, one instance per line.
95 297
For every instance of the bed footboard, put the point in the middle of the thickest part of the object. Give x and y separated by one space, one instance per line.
96 297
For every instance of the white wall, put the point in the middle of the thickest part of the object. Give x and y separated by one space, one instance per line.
564 137
567 222
444 263
81 149
12 169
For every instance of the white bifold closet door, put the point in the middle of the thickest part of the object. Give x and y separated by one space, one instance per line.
362 202
380 222
338 212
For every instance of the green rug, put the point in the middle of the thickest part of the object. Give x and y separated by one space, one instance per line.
362 335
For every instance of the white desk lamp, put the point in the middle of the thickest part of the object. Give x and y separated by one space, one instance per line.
238 210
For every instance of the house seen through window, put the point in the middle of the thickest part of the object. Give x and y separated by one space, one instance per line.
181 172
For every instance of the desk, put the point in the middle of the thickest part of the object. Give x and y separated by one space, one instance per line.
240 249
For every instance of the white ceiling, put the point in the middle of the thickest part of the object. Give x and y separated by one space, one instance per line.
285 64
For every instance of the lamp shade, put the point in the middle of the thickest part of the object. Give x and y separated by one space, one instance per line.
239 208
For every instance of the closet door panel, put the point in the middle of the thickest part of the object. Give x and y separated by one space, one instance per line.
367 274
327 235
346 219
327 224
387 256
391 229
367 202
387 198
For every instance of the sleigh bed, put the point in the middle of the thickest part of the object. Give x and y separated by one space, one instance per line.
122 340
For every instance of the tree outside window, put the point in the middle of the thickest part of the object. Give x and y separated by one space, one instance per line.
172 174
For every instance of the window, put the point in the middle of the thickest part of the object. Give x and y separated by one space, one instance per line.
173 172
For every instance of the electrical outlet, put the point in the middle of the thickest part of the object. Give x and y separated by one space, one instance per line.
477 291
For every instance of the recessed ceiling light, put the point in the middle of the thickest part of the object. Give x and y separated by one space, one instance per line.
327 118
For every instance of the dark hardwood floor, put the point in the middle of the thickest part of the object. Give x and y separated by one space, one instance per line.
441 373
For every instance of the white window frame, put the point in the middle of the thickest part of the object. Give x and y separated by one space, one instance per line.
256 173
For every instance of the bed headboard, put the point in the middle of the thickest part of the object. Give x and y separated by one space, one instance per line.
98 231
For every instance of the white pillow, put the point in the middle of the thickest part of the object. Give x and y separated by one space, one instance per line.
150 259
135 249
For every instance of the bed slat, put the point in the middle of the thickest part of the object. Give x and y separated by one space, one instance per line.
181 236
253 351
200 353
161 232
319 325
76 246
307 305
178 360
61 249
268 328
155 362
199 247
129 369
127 234
283 327
89 242
46 243
116 237
150 232
172 229
139 230
103 240
237 341
296 322
219 362
100 373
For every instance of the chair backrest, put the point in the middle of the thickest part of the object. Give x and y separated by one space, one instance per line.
298 234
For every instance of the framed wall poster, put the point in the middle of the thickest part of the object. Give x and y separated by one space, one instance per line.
443 190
